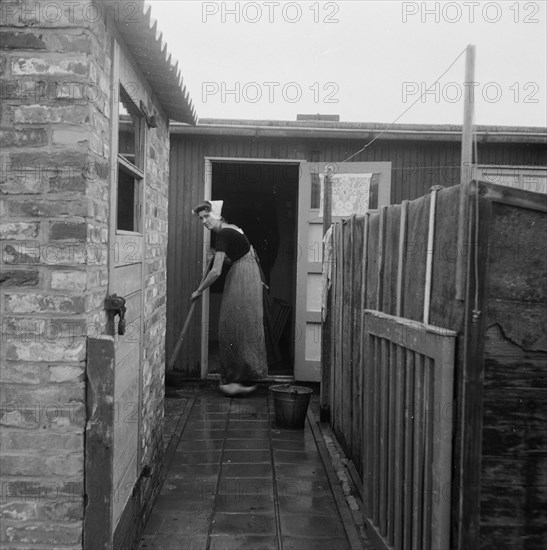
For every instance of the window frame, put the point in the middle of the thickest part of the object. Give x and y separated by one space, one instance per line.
135 169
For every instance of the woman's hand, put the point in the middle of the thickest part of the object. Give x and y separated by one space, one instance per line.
196 294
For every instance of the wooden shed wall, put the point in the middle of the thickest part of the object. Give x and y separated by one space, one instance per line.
416 166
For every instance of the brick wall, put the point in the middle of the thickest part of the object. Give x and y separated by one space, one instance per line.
155 285
55 177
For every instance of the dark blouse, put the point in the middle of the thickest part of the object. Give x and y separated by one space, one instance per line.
233 243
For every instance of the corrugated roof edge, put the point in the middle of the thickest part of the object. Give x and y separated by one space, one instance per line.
360 130
144 40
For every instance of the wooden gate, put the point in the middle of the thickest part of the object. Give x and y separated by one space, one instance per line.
407 422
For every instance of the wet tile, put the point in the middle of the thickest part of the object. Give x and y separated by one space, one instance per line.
292 488
197 457
297 502
173 542
241 491
220 408
202 434
249 414
247 424
208 416
177 492
207 397
261 443
300 471
206 425
190 524
252 489
259 502
180 523
247 455
294 543
187 485
247 470
235 433
191 471
228 542
289 445
293 435
154 523
244 524
252 402
200 445
168 503
315 526
297 456
191 483
245 495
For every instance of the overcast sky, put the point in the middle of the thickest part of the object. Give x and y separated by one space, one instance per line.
366 61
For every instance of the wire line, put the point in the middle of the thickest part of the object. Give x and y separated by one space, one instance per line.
408 108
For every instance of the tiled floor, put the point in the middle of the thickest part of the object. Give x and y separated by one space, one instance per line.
236 481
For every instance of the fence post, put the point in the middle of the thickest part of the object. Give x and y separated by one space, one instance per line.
401 264
466 168
326 333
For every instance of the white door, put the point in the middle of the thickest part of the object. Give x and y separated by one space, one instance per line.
310 255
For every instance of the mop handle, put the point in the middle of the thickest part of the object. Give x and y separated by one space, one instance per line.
186 323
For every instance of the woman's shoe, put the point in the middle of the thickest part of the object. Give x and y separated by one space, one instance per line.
234 388
229 389
244 390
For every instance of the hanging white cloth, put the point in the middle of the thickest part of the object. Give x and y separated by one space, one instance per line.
328 258
350 194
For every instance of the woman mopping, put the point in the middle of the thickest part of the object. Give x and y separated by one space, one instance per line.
242 348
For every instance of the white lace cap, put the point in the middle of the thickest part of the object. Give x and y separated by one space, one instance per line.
216 209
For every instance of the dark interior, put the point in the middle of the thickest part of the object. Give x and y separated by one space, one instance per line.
262 199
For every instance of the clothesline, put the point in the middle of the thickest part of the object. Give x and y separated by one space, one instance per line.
408 108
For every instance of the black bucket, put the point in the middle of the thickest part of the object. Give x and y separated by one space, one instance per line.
291 405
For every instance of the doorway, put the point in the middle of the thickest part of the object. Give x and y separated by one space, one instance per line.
262 199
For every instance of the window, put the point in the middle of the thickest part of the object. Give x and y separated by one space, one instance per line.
373 196
315 190
130 164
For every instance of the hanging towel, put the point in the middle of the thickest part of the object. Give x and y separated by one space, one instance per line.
328 258
350 194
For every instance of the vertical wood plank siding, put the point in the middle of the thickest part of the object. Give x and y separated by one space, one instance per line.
446 438
416 166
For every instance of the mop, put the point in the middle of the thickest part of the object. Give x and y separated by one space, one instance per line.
180 339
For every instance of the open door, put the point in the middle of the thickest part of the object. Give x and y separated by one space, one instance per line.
261 197
307 339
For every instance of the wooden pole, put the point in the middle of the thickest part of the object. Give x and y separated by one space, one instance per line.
466 168
180 339
327 199
430 248
326 329
401 264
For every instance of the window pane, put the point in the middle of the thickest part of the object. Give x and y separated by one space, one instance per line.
128 129
126 201
130 163
373 194
315 190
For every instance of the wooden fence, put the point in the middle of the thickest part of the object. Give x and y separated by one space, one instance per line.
411 313
391 372
408 449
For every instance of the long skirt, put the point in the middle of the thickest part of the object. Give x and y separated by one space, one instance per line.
242 347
